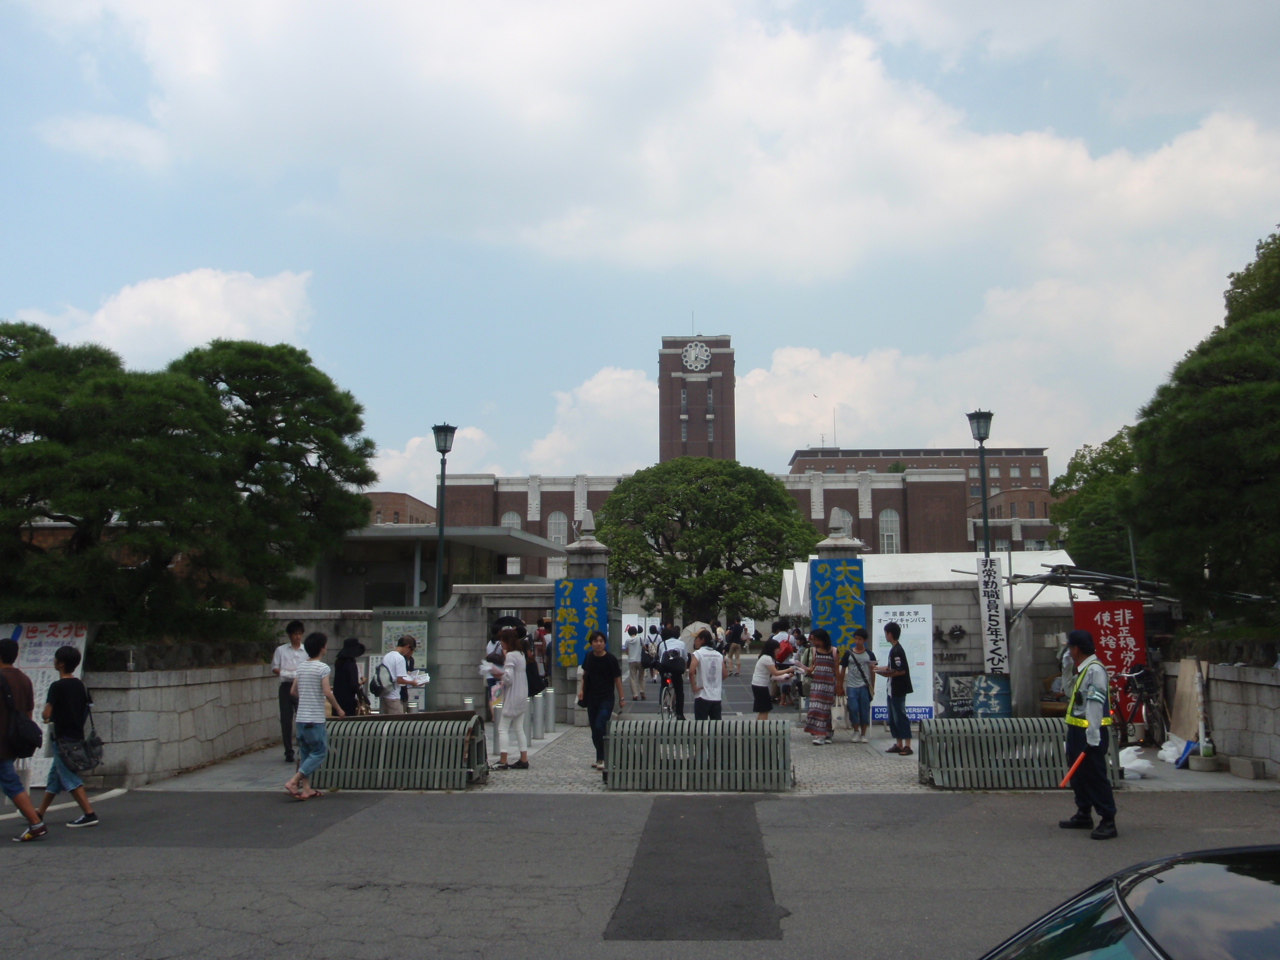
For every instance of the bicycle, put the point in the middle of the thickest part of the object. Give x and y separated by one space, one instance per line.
1148 706
666 696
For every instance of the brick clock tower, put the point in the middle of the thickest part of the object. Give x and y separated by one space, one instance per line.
695 398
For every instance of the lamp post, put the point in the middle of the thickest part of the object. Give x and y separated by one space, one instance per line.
980 427
444 443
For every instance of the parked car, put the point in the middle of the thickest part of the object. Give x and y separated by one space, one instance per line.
1210 905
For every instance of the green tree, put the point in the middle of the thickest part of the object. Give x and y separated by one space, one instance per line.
1094 529
698 536
292 447
1256 288
1206 497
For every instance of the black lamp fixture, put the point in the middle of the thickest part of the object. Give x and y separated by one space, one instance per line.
444 443
980 427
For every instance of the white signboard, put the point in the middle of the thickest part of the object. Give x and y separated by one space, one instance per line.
393 630
37 643
917 642
995 642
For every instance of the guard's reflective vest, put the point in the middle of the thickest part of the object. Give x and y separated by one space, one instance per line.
1075 715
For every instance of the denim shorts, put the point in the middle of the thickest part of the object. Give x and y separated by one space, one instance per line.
61 778
10 782
859 704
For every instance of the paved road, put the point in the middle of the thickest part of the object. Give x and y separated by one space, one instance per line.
357 875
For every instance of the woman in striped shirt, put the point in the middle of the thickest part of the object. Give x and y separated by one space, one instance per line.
311 689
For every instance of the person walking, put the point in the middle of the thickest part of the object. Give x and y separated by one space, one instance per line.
284 664
1088 722
673 658
515 700
733 645
397 670
898 670
707 670
766 671
601 678
17 698
635 664
822 687
346 676
856 673
67 707
311 689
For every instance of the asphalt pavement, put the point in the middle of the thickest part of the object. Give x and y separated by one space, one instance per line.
356 875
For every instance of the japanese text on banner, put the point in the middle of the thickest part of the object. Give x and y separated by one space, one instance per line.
995 641
836 599
580 606
1119 638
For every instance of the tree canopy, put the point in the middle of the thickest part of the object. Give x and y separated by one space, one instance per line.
696 536
1095 532
154 500
1206 497
1256 288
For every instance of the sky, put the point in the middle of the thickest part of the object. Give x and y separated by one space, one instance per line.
490 213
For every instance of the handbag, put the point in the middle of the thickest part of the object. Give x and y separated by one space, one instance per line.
25 736
81 756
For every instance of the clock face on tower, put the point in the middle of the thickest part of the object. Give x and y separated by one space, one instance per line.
696 356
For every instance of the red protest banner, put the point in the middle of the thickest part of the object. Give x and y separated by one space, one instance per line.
1119 637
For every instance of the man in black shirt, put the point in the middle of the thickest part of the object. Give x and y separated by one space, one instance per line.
898 670
601 678
67 706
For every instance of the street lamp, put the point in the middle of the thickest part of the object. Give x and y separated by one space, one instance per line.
980 427
444 443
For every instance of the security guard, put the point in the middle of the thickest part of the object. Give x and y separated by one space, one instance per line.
1088 717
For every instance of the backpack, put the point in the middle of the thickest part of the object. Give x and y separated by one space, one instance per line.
25 736
376 685
671 657
537 683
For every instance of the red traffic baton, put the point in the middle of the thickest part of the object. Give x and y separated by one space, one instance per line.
1066 781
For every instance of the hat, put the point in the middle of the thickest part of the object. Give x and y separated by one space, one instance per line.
351 648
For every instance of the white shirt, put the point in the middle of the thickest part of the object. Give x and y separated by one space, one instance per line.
399 667
515 684
287 660
676 644
634 644
311 674
761 676
782 635
710 669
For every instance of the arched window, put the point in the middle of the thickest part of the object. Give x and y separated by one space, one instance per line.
511 520
557 532
890 532
841 524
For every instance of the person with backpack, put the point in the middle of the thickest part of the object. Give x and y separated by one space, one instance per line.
733 642
635 662
673 655
857 673
67 707
18 740
392 676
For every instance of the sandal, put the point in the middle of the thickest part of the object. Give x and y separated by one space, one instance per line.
312 795
296 794
501 766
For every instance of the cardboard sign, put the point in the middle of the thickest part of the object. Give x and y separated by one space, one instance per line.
1119 638
917 642
836 599
578 615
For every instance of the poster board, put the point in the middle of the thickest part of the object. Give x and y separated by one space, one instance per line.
1119 639
837 601
37 643
578 606
917 642
995 637
393 630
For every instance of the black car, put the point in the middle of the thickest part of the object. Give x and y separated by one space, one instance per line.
1211 905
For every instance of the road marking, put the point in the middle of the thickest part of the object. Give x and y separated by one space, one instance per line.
110 794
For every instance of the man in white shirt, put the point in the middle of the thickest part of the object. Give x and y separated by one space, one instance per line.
673 657
398 669
284 664
635 668
707 671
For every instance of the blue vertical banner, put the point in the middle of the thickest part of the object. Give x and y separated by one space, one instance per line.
836 600
579 605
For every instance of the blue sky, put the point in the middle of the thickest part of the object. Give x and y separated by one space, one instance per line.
490 213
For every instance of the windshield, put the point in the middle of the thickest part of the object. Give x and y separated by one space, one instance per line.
1090 928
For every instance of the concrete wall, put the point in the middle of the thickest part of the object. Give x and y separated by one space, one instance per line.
1244 711
161 722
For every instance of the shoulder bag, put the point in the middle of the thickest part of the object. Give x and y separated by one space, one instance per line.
81 756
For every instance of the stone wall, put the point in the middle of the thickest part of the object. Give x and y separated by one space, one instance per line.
1244 711
160 723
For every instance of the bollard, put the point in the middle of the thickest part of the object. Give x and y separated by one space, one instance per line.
536 711
549 706
497 717
528 725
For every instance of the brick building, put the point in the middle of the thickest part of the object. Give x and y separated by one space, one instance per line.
399 508
696 386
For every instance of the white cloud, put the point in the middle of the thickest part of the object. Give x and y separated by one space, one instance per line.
415 470
155 321
608 424
660 134
109 138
